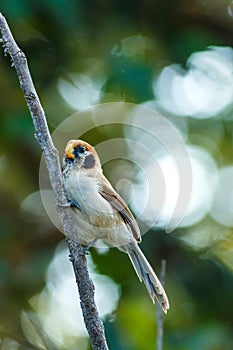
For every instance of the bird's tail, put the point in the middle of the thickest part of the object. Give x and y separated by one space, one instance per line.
147 275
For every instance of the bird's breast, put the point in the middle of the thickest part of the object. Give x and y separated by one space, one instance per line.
97 218
85 191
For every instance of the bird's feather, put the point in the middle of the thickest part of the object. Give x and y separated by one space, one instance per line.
107 192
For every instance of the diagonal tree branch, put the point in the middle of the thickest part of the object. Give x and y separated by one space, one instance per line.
91 317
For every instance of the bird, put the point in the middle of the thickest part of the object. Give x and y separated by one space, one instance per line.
101 214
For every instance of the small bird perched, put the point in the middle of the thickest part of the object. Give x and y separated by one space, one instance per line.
102 214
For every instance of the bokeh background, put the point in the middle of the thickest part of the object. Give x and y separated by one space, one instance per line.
174 57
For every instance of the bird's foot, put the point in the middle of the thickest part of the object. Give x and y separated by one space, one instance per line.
87 248
71 204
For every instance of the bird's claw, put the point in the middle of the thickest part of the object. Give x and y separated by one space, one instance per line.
71 204
74 204
87 248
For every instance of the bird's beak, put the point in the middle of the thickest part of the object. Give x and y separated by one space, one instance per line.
69 152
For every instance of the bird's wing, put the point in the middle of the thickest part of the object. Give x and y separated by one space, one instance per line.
107 192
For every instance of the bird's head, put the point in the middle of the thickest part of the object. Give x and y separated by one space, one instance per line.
80 154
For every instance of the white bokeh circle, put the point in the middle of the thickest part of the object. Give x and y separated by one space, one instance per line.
222 206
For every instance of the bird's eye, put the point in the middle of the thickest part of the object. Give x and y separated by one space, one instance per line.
79 150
